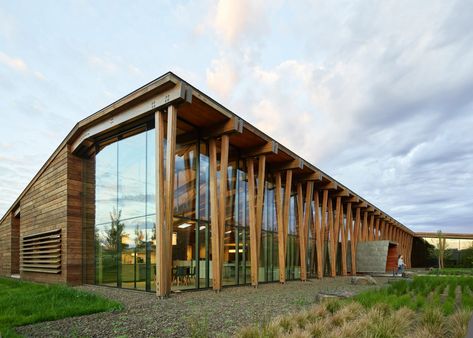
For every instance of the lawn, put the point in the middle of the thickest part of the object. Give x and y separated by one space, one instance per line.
428 306
24 303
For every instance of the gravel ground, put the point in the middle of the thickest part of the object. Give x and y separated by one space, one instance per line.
184 314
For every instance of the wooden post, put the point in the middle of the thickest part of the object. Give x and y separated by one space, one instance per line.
280 221
301 231
376 229
165 199
353 236
161 258
371 228
331 239
260 201
382 231
214 218
286 211
255 213
224 151
365 226
336 236
252 220
307 216
319 228
343 248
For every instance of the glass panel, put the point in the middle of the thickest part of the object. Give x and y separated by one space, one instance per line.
275 257
150 172
151 253
203 261
263 262
229 256
185 180
183 254
106 253
204 173
241 219
132 176
133 254
105 183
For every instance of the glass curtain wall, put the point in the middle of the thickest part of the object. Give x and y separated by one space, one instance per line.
125 228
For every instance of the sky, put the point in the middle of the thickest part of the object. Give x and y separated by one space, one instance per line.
377 94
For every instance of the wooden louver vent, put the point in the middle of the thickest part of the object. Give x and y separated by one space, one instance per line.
41 252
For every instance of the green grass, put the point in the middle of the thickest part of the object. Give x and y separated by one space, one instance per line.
452 272
23 303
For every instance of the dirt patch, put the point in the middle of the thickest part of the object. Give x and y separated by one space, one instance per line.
190 313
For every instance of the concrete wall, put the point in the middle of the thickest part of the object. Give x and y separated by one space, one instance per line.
371 256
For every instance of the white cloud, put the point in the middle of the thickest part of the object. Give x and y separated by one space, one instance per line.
13 63
222 77
235 20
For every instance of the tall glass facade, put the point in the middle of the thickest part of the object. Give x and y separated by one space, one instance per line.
125 252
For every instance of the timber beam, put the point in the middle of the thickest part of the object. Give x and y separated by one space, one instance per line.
342 193
289 165
328 186
315 176
233 125
270 147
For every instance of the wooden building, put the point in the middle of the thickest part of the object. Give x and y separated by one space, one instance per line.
166 189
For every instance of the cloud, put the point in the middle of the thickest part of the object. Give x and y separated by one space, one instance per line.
222 77
384 107
13 63
243 19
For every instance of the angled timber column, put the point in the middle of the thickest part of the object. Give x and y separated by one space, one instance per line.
307 218
347 229
301 232
260 199
382 229
331 235
164 199
218 198
390 231
252 219
364 236
303 217
255 213
340 235
320 224
371 228
355 239
334 238
376 229
282 213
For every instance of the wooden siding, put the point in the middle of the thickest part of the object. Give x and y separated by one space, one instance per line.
5 246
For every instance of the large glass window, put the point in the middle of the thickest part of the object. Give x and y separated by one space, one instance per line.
125 218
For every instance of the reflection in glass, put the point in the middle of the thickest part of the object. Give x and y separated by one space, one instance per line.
132 176
133 254
204 172
125 227
105 183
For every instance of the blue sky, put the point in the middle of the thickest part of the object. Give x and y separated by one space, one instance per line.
378 94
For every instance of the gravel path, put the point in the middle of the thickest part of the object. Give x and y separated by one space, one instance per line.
188 313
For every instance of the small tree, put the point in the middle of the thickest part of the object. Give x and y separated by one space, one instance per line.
441 246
